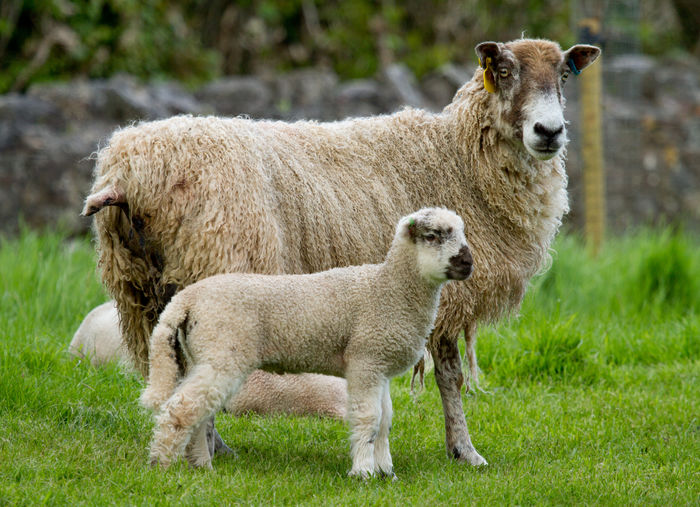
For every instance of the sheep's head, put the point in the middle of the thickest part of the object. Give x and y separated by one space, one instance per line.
525 78
441 247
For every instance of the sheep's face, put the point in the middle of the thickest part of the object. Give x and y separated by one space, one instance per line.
442 252
525 78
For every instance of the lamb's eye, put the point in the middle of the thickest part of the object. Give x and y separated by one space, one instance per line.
564 76
504 72
430 237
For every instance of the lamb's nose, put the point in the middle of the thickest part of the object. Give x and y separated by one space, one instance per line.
463 259
548 133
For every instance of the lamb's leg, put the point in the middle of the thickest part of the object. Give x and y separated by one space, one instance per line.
198 451
364 415
449 378
200 395
382 457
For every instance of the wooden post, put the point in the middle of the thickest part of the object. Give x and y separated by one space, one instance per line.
593 167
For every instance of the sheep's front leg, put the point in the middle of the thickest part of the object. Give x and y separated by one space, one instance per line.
364 415
382 457
449 378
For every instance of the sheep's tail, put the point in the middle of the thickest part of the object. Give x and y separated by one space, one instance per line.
165 369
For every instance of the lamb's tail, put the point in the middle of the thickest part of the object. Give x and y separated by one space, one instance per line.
164 370
470 354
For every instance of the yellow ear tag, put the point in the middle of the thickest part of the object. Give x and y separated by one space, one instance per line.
489 83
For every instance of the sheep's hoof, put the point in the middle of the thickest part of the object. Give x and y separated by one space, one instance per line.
201 464
468 455
158 463
388 475
361 474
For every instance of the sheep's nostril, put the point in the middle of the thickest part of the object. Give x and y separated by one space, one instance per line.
548 132
466 255
463 260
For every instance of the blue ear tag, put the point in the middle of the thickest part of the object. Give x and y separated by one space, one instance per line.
572 66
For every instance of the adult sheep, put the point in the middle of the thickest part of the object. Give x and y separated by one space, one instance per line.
188 197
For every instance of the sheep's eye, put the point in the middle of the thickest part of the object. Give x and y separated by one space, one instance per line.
504 72
564 76
430 237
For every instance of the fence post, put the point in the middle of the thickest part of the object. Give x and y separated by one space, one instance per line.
593 168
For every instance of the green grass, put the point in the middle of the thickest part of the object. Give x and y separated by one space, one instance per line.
594 398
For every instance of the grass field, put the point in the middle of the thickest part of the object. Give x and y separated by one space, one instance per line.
594 398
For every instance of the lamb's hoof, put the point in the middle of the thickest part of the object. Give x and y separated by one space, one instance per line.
201 465
390 475
468 455
157 463
361 474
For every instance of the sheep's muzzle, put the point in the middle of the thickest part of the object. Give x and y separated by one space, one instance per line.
461 265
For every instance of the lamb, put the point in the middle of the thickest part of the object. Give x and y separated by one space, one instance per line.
99 340
185 198
366 323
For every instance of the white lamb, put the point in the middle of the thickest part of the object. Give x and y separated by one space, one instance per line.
366 323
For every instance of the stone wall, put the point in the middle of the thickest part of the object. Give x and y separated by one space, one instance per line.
651 131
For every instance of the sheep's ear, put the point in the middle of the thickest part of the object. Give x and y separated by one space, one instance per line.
412 228
580 56
487 50
409 228
488 53
110 196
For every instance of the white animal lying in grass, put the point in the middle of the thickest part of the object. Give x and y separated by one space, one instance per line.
366 323
98 338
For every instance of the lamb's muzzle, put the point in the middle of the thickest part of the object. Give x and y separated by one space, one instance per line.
461 265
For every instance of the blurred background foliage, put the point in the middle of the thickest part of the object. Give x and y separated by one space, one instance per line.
196 40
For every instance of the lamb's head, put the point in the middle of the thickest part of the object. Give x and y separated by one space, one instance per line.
525 79
441 250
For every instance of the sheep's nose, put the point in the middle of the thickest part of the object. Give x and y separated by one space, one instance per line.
461 264
548 133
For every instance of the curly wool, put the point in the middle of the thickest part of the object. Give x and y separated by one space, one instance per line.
208 195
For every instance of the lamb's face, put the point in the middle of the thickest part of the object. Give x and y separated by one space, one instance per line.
442 252
526 78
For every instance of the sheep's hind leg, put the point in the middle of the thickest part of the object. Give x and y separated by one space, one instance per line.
382 457
364 414
199 396
198 451
449 378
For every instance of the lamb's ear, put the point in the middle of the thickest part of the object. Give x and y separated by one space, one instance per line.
408 228
580 56
488 53
110 196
